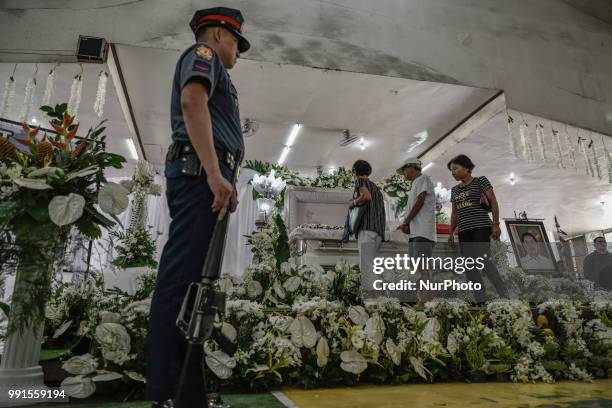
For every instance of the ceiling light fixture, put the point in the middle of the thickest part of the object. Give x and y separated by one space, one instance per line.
427 166
283 156
512 179
132 148
293 135
331 170
362 143
290 141
34 120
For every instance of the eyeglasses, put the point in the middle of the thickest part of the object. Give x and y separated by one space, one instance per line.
600 242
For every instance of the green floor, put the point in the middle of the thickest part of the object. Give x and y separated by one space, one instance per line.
235 400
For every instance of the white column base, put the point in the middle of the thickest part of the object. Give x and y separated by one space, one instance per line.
29 378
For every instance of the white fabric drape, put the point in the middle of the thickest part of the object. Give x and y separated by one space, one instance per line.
237 256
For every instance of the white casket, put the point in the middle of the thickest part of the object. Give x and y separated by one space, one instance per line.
307 209
315 222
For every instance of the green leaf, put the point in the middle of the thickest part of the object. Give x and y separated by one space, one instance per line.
47 109
61 108
39 212
5 308
53 354
89 229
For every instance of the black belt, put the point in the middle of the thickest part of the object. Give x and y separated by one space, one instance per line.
185 151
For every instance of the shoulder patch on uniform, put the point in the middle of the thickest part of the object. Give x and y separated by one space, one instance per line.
204 52
201 66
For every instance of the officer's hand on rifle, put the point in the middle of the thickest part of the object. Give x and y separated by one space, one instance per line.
223 191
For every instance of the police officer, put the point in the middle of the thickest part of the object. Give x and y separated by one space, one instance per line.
206 145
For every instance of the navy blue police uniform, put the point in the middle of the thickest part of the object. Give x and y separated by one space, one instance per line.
190 198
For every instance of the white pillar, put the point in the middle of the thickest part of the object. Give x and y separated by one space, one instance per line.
19 368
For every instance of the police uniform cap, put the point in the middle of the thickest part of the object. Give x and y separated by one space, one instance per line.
228 18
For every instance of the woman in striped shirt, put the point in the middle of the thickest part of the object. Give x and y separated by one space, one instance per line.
470 215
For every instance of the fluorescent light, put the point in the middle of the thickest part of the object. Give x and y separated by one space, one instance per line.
283 156
34 120
293 135
512 179
132 148
362 143
427 166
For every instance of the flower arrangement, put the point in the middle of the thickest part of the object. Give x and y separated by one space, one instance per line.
56 184
136 248
397 187
340 178
114 324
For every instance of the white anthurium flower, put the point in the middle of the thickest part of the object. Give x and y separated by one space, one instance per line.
64 210
32 184
81 365
358 315
229 331
220 364
136 376
254 289
394 351
109 317
78 387
353 362
106 376
45 172
62 329
322 352
375 328
113 199
431 332
279 290
292 284
226 285
115 342
419 367
88 171
303 332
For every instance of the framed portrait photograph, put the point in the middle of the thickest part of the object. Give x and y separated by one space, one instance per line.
531 246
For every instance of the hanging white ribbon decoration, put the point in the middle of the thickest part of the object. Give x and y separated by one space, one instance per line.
595 159
571 152
525 141
587 161
8 95
28 97
50 86
557 147
75 94
101 94
608 159
512 139
540 139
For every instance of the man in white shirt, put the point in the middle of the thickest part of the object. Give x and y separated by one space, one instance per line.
420 223
533 259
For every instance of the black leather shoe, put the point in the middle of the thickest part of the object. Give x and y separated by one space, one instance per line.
163 404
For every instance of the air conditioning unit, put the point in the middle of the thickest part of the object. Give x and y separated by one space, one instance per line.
92 49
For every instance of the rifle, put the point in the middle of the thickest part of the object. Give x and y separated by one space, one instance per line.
197 320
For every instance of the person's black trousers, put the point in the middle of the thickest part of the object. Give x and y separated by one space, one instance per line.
476 243
189 201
